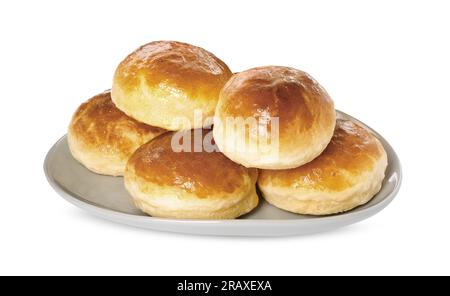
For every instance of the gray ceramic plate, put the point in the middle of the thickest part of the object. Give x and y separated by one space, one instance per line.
106 197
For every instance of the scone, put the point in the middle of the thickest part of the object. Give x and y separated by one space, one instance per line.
348 174
170 84
102 138
273 118
188 184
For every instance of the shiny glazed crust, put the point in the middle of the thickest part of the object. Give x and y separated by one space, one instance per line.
162 84
102 138
348 173
304 109
191 185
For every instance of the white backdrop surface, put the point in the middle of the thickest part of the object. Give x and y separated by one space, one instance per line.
385 62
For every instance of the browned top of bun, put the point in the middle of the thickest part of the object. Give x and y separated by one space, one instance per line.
196 71
352 151
98 124
201 173
274 91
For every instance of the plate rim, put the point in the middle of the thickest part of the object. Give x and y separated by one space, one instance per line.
96 209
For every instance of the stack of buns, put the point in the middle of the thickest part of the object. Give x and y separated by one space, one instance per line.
284 138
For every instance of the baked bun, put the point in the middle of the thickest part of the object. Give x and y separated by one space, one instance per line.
164 83
347 174
102 137
305 112
189 185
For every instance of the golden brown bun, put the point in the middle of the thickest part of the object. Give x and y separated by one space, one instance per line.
102 137
191 185
165 80
348 173
305 111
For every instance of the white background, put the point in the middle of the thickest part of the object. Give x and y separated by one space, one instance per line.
385 62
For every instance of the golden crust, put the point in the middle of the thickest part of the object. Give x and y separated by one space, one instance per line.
102 137
174 77
202 185
201 173
347 174
352 151
305 111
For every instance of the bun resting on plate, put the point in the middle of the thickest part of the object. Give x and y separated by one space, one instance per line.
102 138
288 118
189 185
170 84
348 174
